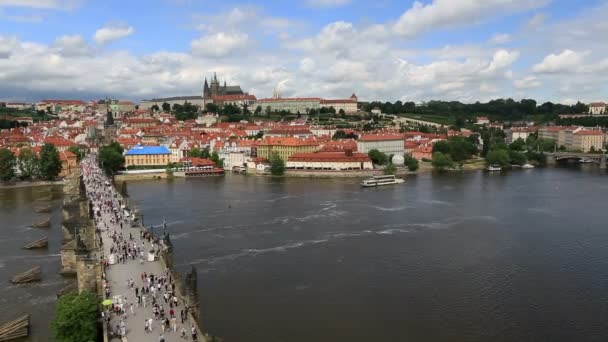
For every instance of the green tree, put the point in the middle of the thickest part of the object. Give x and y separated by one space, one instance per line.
76 150
498 157
340 134
258 110
411 163
205 153
212 107
390 169
155 108
442 161
76 318
49 164
166 107
111 158
377 157
215 157
277 164
7 164
518 145
28 163
517 157
194 153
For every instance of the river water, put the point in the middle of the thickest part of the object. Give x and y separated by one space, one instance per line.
460 257
520 256
16 216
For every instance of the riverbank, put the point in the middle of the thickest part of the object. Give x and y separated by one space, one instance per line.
26 184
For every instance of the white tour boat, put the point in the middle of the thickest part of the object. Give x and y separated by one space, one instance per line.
527 166
493 168
381 180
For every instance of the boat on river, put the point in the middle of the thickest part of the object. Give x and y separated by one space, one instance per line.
527 166
493 168
381 180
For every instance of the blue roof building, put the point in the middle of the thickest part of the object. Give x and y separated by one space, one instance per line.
139 150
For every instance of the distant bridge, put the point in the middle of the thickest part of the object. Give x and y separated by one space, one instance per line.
553 158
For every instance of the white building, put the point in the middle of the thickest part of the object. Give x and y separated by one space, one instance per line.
293 105
597 108
519 133
233 159
329 161
385 143
349 106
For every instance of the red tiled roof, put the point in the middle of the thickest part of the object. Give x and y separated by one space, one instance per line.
339 101
287 141
597 104
380 137
59 142
235 97
65 102
295 99
588 132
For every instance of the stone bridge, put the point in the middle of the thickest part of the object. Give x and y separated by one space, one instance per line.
598 158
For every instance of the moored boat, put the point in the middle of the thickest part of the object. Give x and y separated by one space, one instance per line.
493 168
42 224
527 166
381 180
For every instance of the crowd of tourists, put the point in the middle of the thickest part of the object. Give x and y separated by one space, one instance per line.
151 297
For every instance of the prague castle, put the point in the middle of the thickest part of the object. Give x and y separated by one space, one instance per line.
210 91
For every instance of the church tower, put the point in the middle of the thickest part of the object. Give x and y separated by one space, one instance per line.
215 86
206 92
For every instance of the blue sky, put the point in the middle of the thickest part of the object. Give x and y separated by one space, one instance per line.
467 50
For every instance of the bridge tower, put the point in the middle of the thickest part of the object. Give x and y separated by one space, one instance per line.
603 162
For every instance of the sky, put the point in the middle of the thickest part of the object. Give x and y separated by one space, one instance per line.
386 50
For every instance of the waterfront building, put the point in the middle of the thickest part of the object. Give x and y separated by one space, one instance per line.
555 133
69 163
422 152
584 140
285 146
385 143
147 156
519 133
598 108
330 161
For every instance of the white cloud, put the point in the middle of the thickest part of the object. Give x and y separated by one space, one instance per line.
71 45
41 4
21 18
111 33
527 83
220 44
566 61
501 60
327 3
307 65
441 14
500 38
537 20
